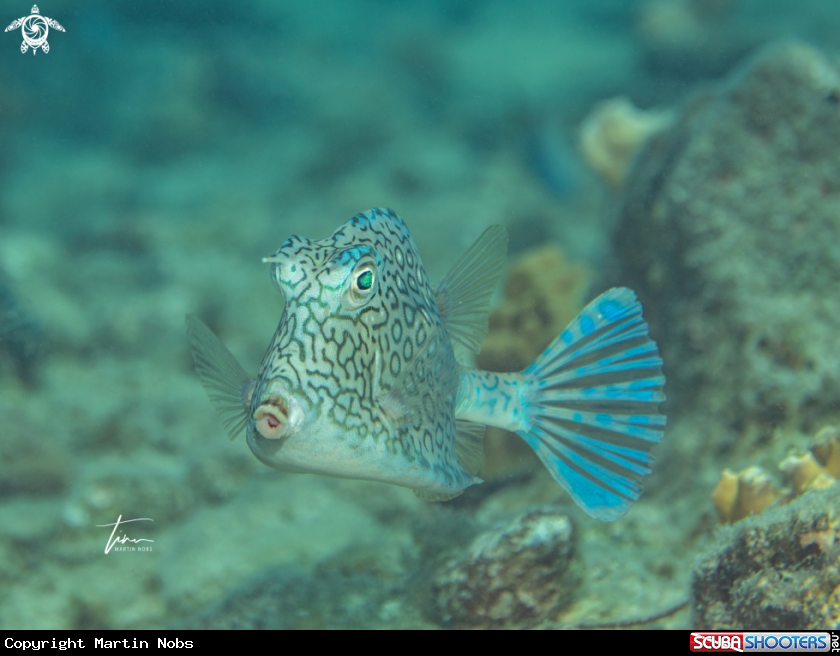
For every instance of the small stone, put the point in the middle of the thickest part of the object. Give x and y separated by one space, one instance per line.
516 575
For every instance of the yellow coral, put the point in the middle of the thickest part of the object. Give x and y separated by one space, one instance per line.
543 293
751 490
746 493
826 449
805 473
725 495
613 132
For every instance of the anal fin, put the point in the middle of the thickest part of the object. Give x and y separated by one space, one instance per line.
469 445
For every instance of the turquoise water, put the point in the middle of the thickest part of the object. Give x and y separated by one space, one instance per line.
159 150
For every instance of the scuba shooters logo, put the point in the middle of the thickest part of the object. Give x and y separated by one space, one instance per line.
753 641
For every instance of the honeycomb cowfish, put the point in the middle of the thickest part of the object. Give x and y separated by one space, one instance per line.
361 379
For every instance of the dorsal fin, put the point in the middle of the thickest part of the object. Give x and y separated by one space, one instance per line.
463 296
227 384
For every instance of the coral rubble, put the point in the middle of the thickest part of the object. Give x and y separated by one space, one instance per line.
26 467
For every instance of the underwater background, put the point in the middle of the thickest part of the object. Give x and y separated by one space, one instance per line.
687 149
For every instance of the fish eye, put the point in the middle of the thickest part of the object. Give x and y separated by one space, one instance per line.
363 283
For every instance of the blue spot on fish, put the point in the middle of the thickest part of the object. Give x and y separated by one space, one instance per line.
353 254
610 309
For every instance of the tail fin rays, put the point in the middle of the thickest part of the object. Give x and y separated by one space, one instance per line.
592 405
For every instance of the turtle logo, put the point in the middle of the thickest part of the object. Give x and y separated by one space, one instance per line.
35 29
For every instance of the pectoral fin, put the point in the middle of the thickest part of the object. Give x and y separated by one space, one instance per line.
227 384
422 385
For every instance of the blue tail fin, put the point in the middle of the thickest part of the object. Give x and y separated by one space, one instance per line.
592 405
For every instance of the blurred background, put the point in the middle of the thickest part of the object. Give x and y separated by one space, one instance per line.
160 149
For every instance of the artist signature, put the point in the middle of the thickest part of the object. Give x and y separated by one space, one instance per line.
122 540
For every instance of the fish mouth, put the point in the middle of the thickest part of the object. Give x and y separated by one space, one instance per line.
271 418
272 427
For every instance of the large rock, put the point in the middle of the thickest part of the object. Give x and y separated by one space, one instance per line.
730 232
777 571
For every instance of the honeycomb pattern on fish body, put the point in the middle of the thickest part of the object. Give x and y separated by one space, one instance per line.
332 357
